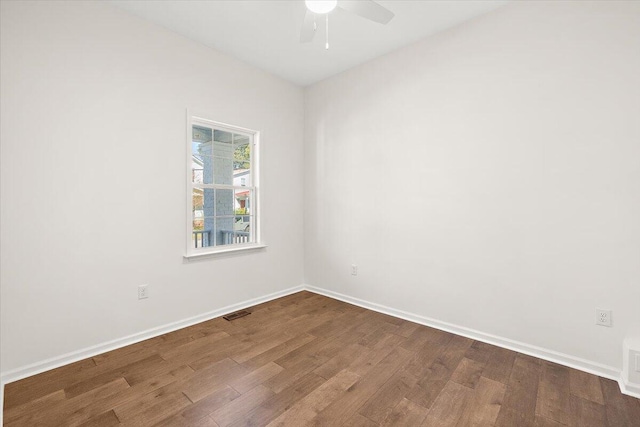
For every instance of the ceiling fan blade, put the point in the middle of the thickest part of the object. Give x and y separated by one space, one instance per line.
367 9
308 27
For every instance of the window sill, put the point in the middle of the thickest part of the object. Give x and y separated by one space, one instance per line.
225 251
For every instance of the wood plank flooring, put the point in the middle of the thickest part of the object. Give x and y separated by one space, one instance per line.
310 360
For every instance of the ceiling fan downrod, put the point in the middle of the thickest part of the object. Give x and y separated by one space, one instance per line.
326 46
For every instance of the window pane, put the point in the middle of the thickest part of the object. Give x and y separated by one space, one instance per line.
201 142
222 171
241 177
202 169
242 223
224 202
197 202
203 233
242 202
198 224
223 144
241 152
201 151
197 177
208 201
227 234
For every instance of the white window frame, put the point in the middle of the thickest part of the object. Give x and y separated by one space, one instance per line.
202 120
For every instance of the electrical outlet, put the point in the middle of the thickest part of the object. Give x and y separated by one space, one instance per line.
603 317
637 362
143 292
354 270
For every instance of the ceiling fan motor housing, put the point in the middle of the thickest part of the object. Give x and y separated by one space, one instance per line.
321 6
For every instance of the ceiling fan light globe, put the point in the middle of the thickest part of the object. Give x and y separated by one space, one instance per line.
321 6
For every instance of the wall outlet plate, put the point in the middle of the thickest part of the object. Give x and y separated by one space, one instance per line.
354 270
143 292
603 317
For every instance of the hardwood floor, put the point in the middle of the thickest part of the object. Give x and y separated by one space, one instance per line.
310 360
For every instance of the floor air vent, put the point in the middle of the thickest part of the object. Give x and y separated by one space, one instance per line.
236 315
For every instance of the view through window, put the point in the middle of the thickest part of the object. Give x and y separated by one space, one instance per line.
222 187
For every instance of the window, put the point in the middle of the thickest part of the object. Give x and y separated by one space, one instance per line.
222 188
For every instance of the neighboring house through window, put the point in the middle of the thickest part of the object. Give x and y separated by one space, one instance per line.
222 188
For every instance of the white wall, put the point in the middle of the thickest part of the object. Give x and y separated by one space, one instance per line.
488 177
93 169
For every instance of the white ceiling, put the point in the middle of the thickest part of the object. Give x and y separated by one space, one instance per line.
265 33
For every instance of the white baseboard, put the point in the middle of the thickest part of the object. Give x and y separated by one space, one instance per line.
630 389
74 356
550 355
531 350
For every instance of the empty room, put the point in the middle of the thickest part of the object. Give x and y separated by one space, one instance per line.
320 213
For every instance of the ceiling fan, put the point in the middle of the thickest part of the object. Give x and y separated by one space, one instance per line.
368 9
